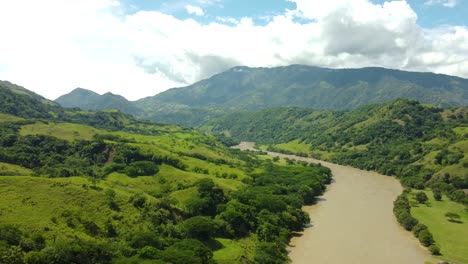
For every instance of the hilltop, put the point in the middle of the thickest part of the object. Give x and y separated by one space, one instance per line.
244 88
89 100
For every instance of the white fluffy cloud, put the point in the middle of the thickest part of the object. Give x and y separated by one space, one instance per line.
54 46
194 10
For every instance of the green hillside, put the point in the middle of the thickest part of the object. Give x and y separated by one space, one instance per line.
424 146
102 187
244 88
88 100
419 143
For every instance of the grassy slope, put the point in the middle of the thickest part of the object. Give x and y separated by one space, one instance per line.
452 238
295 146
9 118
7 169
40 202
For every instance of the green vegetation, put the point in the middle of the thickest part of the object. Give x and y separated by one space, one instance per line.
402 211
102 187
88 100
450 236
244 88
424 146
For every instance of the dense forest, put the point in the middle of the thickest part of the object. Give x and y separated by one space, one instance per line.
424 145
102 187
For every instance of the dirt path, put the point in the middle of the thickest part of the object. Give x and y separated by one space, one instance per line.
353 222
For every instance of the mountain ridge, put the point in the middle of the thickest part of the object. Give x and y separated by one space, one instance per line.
89 100
243 88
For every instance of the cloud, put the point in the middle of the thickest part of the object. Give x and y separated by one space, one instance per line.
446 3
53 46
194 10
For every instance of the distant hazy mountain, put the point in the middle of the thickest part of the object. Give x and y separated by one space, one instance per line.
89 100
244 88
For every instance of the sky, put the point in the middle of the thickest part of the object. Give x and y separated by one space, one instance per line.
138 48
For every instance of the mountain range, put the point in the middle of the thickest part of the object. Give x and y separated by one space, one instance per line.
244 88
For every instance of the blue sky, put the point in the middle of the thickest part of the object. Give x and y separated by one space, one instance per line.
430 14
138 48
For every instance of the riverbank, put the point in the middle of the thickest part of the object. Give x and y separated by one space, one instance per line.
353 221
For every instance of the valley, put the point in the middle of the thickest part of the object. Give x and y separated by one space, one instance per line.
234 132
353 221
91 186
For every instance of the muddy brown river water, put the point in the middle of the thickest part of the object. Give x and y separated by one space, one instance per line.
353 221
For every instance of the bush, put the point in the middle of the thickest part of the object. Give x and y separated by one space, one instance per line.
11 233
148 252
270 253
199 227
197 248
421 197
425 237
144 239
91 228
418 228
138 200
140 168
434 250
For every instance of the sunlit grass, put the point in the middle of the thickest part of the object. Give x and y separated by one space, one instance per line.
451 237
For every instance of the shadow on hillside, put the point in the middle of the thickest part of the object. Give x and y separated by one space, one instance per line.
455 221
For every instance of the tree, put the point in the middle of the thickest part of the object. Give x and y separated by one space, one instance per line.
453 217
199 227
14 255
270 253
437 195
425 237
406 220
418 228
421 197
435 250
196 247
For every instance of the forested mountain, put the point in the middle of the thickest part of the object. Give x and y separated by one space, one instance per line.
103 187
89 100
422 144
18 101
244 88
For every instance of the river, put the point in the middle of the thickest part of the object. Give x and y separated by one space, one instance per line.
353 221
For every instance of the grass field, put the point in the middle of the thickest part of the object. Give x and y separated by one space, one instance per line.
7 169
295 146
65 131
9 118
451 237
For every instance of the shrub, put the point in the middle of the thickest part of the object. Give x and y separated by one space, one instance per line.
199 227
425 237
138 200
148 252
140 168
421 197
418 228
12 233
434 250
